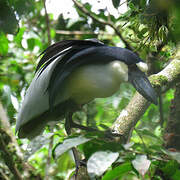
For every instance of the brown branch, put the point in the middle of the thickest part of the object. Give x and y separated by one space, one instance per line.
101 21
138 105
81 32
172 131
3 175
8 158
47 22
11 152
4 121
161 110
48 163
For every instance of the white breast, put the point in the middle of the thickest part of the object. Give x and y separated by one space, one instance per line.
95 81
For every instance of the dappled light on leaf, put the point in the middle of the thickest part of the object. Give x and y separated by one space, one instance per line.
68 144
141 164
100 161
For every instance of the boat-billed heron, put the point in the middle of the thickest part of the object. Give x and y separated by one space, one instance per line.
72 73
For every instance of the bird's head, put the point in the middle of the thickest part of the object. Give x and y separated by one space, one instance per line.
136 75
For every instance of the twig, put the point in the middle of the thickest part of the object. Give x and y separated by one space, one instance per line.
139 134
48 162
101 21
8 159
6 128
47 22
123 3
161 110
80 32
3 175
4 121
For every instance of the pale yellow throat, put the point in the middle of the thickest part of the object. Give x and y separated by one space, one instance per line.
95 81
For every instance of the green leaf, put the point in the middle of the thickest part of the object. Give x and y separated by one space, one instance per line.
68 144
37 143
148 133
163 33
97 144
132 6
141 164
118 171
3 44
18 38
176 175
144 30
100 161
170 168
116 3
31 43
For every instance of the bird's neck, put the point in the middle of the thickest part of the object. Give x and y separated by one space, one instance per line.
119 70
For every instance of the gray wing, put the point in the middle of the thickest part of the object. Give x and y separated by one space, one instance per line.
36 100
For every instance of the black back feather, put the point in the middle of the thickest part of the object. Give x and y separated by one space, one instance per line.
58 48
66 49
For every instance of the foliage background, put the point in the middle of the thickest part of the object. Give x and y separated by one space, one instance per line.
151 29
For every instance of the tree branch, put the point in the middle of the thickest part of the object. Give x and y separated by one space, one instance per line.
11 152
81 32
48 163
172 131
138 105
47 22
101 21
4 121
8 158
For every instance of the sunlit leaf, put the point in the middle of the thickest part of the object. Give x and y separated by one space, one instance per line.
68 144
18 38
99 162
141 164
31 43
3 44
37 143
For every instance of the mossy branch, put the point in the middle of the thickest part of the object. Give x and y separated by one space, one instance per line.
138 105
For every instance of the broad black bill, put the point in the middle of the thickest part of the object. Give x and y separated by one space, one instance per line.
142 84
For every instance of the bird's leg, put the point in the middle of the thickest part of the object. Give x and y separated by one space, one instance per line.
68 120
75 125
68 126
108 133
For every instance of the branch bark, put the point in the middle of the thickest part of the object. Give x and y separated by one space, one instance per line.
138 105
11 152
172 132
4 122
47 22
8 158
81 32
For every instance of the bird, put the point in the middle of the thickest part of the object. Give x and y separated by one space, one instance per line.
72 73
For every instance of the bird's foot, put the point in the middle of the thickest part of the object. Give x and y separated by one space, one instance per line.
107 134
74 125
112 135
